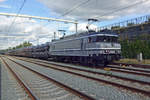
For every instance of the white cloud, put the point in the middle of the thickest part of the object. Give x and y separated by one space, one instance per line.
24 30
97 8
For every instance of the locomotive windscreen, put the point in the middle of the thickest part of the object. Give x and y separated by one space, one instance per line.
103 39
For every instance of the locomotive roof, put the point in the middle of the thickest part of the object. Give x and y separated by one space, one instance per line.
87 34
102 32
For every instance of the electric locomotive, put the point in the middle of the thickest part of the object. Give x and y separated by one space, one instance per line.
87 48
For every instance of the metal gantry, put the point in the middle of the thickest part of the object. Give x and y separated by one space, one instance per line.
35 17
41 18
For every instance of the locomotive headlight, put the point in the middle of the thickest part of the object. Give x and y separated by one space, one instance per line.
107 51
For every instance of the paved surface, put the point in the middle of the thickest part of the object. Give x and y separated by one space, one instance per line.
7 89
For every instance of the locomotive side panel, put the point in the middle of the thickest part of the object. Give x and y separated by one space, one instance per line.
66 48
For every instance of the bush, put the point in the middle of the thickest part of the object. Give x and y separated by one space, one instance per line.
130 49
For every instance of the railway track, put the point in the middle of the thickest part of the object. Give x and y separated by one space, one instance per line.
117 69
134 65
97 73
129 68
21 90
132 86
41 87
122 70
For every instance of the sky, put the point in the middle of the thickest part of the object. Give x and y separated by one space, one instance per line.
15 30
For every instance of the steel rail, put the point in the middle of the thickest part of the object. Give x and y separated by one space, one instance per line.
131 72
134 65
138 70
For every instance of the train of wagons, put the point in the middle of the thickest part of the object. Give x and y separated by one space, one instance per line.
86 48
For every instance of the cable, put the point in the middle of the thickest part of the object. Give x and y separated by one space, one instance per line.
117 10
10 26
120 9
75 7
16 15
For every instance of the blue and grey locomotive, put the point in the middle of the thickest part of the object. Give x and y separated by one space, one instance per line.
89 47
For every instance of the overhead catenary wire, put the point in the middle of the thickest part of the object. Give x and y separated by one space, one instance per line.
114 11
13 21
120 9
21 7
123 8
75 7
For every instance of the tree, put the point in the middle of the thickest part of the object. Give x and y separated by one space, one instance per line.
130 24
115 27
24 44
130 49
148 19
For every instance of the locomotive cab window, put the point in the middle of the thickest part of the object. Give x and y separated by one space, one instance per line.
102 39
106 39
